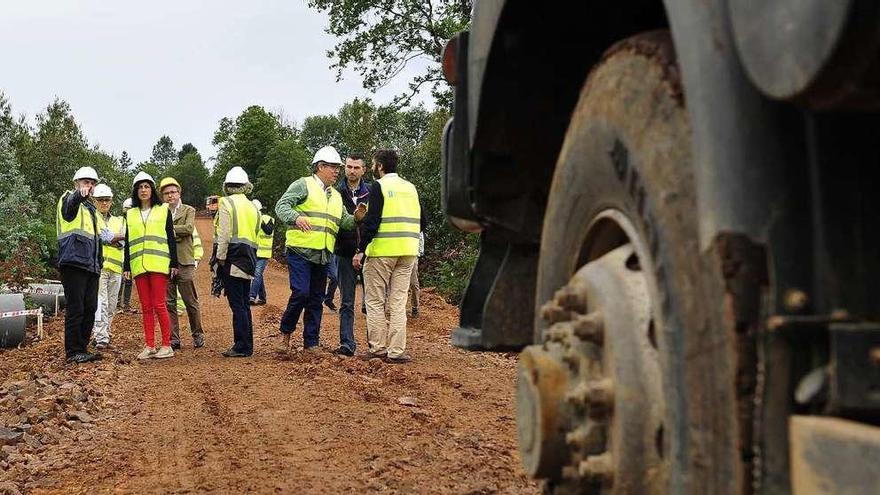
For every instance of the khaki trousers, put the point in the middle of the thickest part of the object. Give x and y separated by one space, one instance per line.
184 283
391 274
414 285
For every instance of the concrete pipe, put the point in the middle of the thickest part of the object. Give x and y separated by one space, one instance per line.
12 328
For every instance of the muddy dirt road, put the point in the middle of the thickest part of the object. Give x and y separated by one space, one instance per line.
298 424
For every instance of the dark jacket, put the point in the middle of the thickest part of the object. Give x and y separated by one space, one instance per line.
77 250
347 240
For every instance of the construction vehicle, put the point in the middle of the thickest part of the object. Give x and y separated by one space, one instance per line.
677 203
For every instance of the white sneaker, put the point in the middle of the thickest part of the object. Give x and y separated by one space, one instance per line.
147 353
164 352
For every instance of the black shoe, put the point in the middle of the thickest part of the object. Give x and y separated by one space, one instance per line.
175 346
261 302
79 357
199 341
344 351
234 353
252 302
403 358
330 305
415 312
93 356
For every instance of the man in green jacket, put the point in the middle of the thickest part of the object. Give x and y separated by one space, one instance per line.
313 209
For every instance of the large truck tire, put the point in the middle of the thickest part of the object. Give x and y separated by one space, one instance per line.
608 399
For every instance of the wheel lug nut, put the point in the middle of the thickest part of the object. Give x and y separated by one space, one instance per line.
586 438
590 327
553 313
600 394
572 298
598 468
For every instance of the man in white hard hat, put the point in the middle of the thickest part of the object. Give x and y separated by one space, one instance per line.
265 237
123 303
315 213
110 279
184 217
79 260
235 255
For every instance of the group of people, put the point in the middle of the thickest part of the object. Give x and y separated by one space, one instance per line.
354 227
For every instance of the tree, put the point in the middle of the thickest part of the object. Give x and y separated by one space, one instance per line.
319 131
187 149
192 175
379 39
58 149
125 161
164 153
245 142
22 236
285 163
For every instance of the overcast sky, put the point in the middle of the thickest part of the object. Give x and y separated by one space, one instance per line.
134 70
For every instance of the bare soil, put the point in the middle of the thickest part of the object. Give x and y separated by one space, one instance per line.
310 423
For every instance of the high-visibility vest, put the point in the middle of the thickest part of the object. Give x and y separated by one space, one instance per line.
399 228
264 240
112 254
148 241
324 214
198 250
242 249
77 242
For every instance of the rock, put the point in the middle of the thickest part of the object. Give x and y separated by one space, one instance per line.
9 437
24 426
80 416
32 441
407 401
9 488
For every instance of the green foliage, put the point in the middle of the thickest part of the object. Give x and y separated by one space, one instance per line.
21 231
50 158
187 149
245 142
378 40
125 162
319 131
191 173
164 154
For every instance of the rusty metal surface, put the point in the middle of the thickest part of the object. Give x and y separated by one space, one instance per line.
833 456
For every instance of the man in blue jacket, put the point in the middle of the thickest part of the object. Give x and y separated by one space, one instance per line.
80 258
354 191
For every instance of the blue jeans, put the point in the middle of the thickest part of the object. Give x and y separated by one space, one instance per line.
347 282
242 325
332 277
258 288
307 282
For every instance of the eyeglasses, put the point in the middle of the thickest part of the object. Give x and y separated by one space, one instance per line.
103 200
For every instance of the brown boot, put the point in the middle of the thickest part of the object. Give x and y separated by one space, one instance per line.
284 346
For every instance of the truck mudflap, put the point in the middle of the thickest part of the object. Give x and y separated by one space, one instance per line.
833 456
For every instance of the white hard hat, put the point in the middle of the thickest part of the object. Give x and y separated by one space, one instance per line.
126 203
236 175
86 173
257 203
327 154
143 176
103 191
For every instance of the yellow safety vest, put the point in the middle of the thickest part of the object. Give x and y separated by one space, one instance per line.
398 233
198 250
242 249
264 240
324 216
112 255
148 242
